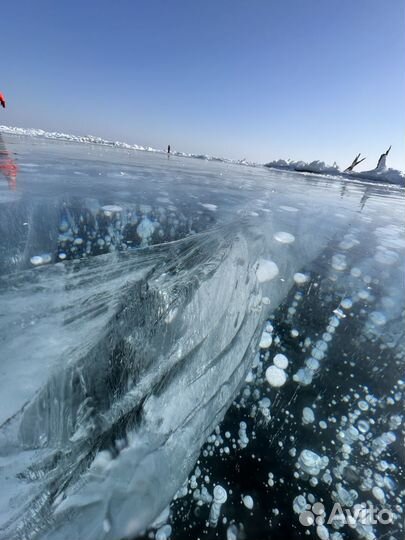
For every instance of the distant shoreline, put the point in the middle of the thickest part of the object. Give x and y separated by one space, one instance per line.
388 176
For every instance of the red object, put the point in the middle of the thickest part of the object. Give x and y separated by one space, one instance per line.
2 101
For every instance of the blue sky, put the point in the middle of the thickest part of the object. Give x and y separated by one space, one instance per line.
302 79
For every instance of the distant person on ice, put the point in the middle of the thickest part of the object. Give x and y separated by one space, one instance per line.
168 149
2 101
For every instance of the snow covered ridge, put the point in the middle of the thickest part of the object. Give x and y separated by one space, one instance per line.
54 135
319 167
392 176
91 139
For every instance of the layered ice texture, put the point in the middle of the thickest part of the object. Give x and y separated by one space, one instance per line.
133 294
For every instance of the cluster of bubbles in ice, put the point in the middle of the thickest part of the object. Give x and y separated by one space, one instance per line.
101 229
343 447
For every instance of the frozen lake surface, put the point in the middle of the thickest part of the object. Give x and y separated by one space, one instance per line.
194 349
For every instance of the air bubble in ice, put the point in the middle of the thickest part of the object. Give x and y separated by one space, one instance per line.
378 318
339 262
322 532
265 340
220 496
38 260
311 463
299 504
275 376
266 270
300 278
281 361
110 209
163 533
284 237
308 415
303 376
209 206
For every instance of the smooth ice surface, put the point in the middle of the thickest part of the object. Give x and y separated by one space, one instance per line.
134 291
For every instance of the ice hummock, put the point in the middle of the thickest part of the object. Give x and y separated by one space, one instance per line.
379 174
319 167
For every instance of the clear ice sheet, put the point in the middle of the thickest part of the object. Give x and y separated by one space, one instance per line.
133 294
